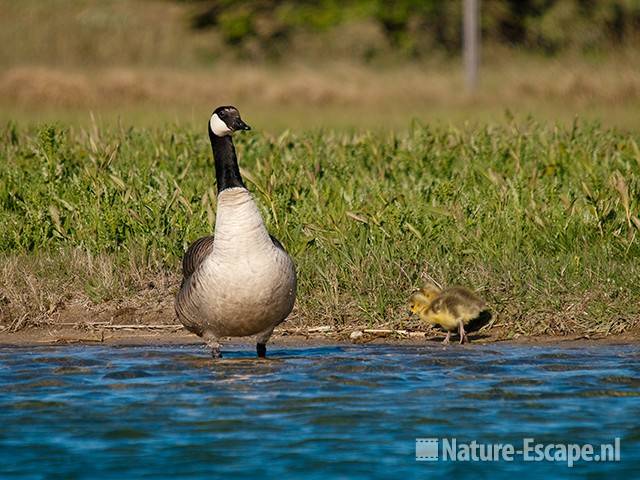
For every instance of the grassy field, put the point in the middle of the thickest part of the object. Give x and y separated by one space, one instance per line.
542 221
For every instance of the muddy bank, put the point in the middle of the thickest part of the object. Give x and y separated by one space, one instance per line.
156 323
293 337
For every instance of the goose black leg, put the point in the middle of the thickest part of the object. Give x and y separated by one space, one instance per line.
262 339
213 344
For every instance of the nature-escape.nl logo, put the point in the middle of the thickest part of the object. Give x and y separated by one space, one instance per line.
451 450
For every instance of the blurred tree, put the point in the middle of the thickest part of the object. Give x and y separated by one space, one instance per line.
416 27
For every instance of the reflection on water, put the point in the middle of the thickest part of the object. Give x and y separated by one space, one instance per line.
161 412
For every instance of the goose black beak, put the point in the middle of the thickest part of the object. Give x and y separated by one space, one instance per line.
240 125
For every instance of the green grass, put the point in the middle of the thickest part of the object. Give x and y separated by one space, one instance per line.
542 221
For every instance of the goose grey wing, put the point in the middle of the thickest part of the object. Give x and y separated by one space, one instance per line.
195 254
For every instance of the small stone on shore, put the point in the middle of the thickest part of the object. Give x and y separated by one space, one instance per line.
356 335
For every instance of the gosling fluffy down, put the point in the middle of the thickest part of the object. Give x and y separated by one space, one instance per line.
453 309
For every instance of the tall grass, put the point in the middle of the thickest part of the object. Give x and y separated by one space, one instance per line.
541 220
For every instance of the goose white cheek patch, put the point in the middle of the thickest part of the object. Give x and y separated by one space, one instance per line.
218 127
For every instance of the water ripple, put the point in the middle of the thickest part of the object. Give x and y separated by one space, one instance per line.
344 411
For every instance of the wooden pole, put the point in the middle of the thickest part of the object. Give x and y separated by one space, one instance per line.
471 42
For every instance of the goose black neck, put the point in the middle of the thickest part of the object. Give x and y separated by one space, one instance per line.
224 156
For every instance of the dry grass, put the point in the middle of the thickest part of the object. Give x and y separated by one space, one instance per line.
340 85
337 95
82 291
99 32
76 286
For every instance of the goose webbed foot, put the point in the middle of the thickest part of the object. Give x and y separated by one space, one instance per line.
261 349
446 339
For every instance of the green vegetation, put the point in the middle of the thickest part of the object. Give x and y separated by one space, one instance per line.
542 221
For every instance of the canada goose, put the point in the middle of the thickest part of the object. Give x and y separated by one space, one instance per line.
239 281
452 308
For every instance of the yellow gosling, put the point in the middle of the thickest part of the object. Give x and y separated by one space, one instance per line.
452 309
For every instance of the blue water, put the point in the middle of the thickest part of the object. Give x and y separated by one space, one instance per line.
86 412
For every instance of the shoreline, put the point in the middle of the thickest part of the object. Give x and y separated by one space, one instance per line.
296 337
